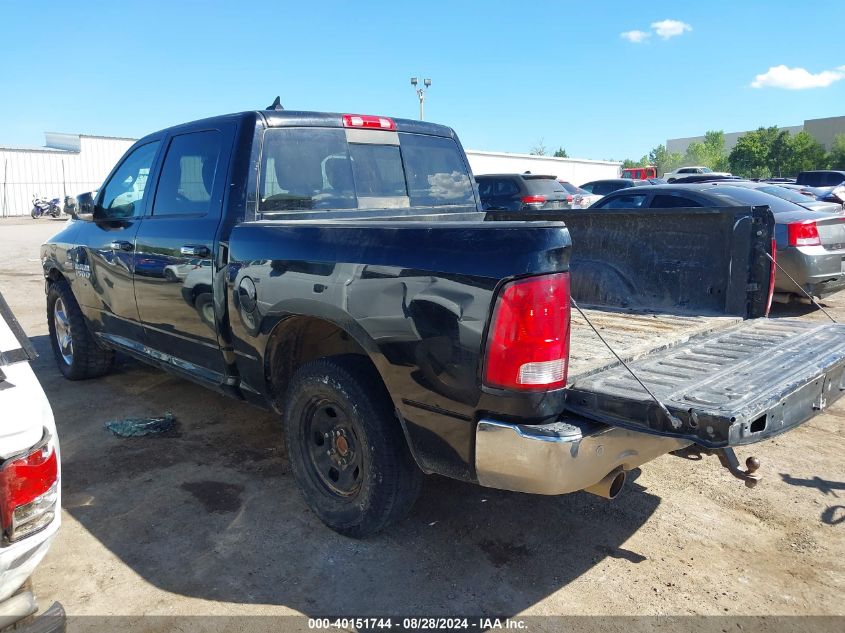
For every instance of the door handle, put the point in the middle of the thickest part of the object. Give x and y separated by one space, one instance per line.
195 251
121 245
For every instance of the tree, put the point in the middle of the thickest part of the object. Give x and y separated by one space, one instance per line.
750 155
561 153
710 152
803 152
779 152
663 160
539 149
837 152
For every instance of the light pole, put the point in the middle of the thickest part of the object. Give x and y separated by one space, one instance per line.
421 94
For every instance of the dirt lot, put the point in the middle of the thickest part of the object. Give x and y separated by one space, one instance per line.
207 520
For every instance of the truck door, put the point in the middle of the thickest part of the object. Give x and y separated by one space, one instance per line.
175 292
103 259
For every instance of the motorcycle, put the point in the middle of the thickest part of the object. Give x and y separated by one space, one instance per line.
42 207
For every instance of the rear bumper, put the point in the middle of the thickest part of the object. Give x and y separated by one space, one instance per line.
15 610
559 458
819 271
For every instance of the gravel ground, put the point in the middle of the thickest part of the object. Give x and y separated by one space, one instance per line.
207 519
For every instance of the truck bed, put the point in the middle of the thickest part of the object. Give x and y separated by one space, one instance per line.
633 334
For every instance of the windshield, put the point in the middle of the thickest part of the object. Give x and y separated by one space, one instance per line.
317 168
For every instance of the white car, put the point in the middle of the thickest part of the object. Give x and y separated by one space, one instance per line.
683 172
30 473
578 198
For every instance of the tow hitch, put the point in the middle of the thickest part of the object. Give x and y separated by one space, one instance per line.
728 459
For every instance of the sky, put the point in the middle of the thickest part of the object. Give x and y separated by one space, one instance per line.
602 79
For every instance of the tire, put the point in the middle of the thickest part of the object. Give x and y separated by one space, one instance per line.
339 403
34 214
204 305
77 353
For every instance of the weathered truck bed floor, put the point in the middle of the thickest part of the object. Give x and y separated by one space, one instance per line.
632 334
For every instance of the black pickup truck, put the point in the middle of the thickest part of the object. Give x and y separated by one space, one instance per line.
339 270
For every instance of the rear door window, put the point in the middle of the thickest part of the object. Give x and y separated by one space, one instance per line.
629 201
505 187
187 175
672 202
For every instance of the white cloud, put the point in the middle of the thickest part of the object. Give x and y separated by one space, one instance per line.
796 78
670 28
635 37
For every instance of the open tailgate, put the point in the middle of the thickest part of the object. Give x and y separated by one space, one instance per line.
737 386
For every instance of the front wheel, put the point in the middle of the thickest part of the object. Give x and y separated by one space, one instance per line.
77 354
346 447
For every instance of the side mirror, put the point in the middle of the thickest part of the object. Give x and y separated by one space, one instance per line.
84 208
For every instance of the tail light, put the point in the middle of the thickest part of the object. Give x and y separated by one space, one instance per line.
368 122
29 488
528 341
570 198
804 233
534 201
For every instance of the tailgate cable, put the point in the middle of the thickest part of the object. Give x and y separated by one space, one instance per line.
674 421
800 287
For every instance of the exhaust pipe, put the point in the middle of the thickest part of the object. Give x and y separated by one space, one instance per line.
610 486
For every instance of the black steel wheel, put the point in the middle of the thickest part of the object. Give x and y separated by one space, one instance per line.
346 447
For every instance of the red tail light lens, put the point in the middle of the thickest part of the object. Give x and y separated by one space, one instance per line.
528 341
29 491
368 122
803 233
534 201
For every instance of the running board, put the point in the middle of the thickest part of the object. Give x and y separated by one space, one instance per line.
736 386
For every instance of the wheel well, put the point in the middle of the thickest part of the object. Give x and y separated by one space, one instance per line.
54 275
298 340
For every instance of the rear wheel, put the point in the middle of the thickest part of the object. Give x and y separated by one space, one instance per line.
77 353
346 447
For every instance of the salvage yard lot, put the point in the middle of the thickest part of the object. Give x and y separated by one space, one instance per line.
207 519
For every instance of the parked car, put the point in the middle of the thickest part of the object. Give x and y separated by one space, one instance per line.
683 172
578 198
30 478
609 185
359 289
521 192
821 178
788 193
178 272
810 244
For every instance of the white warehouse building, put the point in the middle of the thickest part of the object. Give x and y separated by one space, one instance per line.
574 170
68 164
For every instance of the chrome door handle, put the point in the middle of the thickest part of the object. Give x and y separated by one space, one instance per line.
121 245
195 251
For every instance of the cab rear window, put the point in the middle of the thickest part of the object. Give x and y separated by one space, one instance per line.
316 168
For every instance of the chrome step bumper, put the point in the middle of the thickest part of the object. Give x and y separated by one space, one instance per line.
559 458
